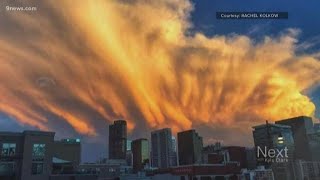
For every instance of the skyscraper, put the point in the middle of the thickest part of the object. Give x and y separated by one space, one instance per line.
161 148
273 136
140 152
129 153
174 156
118 140
190 146
301 127
275 148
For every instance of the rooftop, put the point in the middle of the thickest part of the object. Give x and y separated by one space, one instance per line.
271 125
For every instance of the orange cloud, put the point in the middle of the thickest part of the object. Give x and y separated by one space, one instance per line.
132 60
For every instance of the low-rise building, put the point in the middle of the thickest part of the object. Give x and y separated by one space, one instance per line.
229 171
27 155
257 174
112 169
30 155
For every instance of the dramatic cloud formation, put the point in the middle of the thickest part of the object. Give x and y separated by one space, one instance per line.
89 61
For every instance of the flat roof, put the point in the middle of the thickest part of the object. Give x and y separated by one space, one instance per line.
11 133
272 125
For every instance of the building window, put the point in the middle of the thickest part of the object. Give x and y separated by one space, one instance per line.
38 150
8 149
7 168
37 168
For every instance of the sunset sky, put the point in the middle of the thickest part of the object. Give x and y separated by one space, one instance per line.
73 68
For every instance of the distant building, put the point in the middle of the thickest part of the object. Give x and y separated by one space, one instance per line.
161 148
190 146
237 154
213 154
34 155
129 153
230 171
111 169
251 158
68 150
257 174
174 155
129 145
140 152
301 126
118 140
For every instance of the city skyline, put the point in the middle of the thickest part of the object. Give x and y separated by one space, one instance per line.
279 148
73 68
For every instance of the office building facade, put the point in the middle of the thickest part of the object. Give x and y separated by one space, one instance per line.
190 146
277 139
272 136
301 127
161 148
140 153
26 155
174 156
34 155
118 140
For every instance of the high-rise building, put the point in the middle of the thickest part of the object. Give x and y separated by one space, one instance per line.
118 140
129 153
314 143
129 145
174 156
275 148
161 148
190 146
140 153
272 136
301 127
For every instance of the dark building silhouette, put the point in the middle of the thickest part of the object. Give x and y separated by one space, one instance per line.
174 157
211 154
238 154
129 153
68 150
34 155
275 137
189 147
161 148
140 153
118 140
27 155
301 127
227 171
251 158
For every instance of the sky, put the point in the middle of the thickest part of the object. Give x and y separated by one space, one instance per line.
73 68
